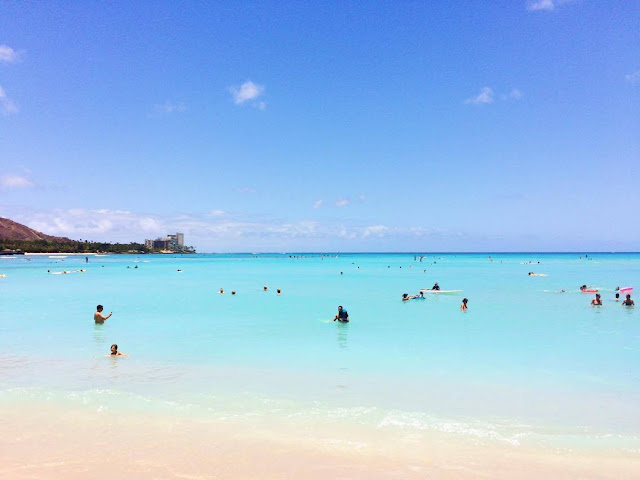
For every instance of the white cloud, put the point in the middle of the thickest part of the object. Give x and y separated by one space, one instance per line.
246 190
8 54
362 197
217 213
98 224
633 77
6 105
238 232
535 5
344 233
484 97
377 230
317 204
548 5
15 181
342 202
514 94
247 91
169 108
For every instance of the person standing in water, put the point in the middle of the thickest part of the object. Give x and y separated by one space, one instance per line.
463 306
342 316
597 300
98 317
627 302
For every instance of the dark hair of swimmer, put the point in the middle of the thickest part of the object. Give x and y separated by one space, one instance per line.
99 307
465 300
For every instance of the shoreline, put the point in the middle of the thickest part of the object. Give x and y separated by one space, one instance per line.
39 441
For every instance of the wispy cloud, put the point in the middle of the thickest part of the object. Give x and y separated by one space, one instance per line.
545 5
376 230
317 204
237 232
15 181
483 98
6 104
217 213
246 189
246 92
342 202
633 78
169 108
535 5
8 54
487 96
514 94
99 224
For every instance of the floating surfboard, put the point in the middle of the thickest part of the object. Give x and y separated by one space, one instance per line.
428 290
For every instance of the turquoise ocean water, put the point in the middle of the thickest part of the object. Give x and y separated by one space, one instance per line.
525 364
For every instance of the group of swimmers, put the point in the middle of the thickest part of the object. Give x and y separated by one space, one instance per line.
627 302
436 287
264 289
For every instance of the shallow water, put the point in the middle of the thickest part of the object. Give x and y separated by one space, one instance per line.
524 364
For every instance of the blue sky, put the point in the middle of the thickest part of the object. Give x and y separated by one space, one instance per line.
324 126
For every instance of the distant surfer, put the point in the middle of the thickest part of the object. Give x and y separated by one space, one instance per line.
98 317
617 293
342 316
597 300
627 302
435 286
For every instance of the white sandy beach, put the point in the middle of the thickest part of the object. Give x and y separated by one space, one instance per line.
55 443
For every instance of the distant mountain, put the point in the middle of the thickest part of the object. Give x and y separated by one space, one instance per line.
10 230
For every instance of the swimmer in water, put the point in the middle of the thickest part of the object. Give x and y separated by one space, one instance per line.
597 300
115 352
98 317
463 306
342 315
627 302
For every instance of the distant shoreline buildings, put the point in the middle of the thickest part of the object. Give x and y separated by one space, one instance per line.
170 244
